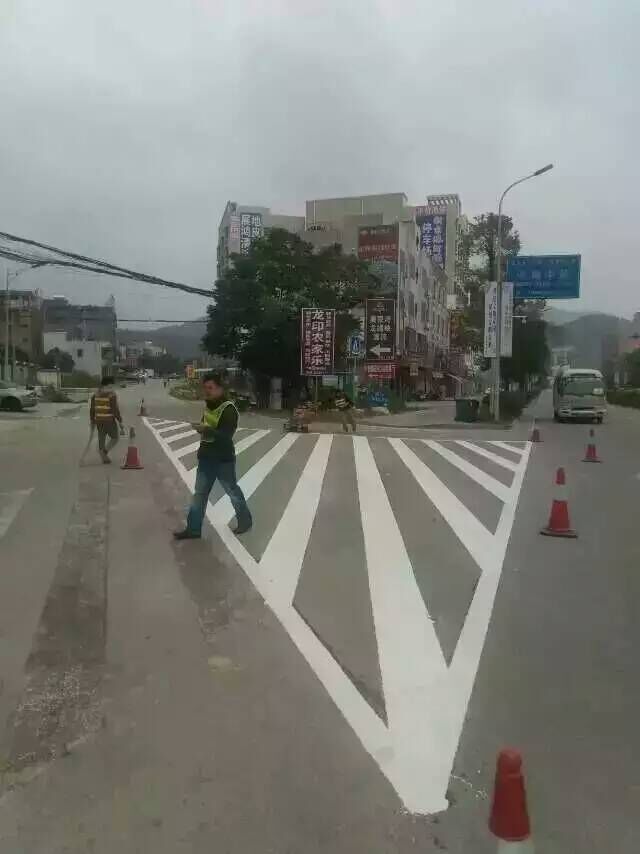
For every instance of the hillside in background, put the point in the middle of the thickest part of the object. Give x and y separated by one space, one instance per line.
560 316
594 337
183 340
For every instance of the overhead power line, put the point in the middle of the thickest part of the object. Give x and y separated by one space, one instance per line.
25 251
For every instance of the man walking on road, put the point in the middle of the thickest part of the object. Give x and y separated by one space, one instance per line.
345 407
216 460
105 415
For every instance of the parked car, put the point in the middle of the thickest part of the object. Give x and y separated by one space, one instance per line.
14 399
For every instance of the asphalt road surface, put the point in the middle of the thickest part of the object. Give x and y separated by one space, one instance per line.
339 679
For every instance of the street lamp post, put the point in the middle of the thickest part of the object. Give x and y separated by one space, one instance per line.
495 389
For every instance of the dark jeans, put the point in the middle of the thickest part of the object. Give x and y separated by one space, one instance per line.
107 430
208 472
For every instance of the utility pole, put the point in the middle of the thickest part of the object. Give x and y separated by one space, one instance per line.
5 372
495 388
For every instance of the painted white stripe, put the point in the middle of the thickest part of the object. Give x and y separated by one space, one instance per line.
187 449
222 509
473 535
175 426
410 657
163 423
179 436
10 505
485 480
477 449
247 442
515 449
282 560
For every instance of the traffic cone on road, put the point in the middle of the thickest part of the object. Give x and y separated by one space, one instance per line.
559 525
509 821
132 460
591 455
143 408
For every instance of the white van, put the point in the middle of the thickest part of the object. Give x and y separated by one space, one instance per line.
579 393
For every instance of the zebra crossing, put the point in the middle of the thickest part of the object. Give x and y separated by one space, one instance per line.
381 558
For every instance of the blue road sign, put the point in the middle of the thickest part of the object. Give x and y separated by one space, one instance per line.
545 276
356 345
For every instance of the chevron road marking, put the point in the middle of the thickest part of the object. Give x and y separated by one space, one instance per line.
425 700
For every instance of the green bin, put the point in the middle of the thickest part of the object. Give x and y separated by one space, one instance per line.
467 409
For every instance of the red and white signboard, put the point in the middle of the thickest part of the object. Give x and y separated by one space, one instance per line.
317 341
382 371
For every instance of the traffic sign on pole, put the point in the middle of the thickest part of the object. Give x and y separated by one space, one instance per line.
380 330
545 276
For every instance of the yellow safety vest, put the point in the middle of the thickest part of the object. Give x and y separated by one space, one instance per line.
211 417
103 410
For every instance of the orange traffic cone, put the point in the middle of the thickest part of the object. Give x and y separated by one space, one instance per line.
591 455
143 408
132 460
559 525
509 821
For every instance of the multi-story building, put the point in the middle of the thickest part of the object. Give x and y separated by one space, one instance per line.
90 356
81 322
25 323
413 250
241 224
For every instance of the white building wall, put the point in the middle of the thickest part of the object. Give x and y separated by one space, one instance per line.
88 356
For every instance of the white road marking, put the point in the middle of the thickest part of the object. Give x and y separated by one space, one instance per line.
222 509
163 422
473 535
282 560
416 751
489 483
162 430
410 657
506 446
247 442
10 505
495 458
187 449
178 436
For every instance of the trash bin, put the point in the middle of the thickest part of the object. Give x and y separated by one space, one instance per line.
467 409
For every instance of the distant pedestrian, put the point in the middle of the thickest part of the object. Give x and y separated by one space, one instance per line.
104 413
216 460
344 405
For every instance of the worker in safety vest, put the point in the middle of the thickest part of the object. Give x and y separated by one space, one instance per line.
344 405
104 414
216 459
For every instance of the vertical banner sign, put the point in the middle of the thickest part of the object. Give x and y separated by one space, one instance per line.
317 341
433 236
234 233
380 330
250 230
491 320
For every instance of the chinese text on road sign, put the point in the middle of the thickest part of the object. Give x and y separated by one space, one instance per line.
545 276
317 341
380 330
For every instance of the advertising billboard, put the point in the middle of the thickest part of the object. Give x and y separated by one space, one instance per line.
251 229
378 243
433 235
317 341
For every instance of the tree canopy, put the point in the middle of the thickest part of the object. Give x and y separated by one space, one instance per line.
256 314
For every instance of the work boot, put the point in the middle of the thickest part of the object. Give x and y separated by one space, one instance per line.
186 534
243 526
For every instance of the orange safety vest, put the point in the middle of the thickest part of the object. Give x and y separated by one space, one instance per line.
103 409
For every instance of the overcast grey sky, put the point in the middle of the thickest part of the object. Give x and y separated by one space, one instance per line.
125 126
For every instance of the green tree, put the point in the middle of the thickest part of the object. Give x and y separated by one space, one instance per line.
57 359
256 313
632 367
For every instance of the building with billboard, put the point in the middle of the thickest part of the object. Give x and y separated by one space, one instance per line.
242 224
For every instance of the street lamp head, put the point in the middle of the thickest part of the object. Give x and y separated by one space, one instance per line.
544 169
